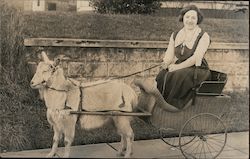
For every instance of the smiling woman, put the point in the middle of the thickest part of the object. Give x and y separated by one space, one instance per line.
186 50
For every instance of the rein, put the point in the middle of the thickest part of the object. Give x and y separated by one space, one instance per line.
61 90
120 77
108 80
125 76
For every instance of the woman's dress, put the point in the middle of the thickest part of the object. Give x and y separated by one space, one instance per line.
178 84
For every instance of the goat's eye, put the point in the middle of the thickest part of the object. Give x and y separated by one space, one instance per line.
45 71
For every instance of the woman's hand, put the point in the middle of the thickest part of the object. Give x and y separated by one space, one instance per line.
164 65
173 67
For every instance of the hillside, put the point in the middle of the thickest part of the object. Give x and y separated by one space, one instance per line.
126 27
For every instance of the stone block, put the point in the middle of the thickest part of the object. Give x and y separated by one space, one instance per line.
236 56
227 56
115 69
153 71
100 55
76 69
213 56
95 69
134 55
231 68
116 55
131 67
123 68
238 81
74 53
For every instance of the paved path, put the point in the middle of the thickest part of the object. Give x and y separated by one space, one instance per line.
237 146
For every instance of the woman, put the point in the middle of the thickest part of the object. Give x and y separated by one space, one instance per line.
186 50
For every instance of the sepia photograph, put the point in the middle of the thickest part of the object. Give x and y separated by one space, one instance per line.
124 79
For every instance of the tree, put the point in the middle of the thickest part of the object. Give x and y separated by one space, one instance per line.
125 6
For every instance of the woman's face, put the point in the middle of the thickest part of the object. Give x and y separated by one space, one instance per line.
190 19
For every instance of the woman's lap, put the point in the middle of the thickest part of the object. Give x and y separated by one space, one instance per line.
178 84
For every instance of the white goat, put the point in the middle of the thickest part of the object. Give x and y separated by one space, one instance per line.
57 92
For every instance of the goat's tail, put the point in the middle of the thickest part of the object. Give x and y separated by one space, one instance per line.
134 101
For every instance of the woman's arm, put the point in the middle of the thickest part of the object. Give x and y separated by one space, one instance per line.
169 54
196 58
201 49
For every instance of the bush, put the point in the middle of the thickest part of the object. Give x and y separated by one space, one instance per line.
18 115
126 6
11 32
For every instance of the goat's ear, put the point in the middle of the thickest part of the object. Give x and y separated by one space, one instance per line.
45 57
57 62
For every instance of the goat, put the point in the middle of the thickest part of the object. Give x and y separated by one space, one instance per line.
59 92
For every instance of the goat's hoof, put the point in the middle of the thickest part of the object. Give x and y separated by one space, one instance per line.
128 155
119 154
65 156
50 155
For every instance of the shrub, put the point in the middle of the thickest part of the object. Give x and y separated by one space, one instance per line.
17 111
126 6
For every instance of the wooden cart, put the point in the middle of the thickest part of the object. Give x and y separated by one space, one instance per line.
199 130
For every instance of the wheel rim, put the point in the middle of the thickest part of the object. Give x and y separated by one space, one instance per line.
210 136
172 137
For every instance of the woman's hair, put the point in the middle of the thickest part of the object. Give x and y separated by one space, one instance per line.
188 8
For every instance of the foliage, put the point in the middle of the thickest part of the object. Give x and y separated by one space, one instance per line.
17 111
125 6
11 42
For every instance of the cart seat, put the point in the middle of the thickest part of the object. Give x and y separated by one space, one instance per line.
214 86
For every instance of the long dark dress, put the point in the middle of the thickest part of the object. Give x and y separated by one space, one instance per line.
179 83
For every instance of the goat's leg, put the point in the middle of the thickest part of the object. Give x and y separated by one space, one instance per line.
56 139
124 127
69 134
130 139
122 149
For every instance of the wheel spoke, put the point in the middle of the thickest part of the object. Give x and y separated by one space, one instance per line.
191 145
215 139
195 149
214 135
196 152
212 147
201 149
218 123
208 148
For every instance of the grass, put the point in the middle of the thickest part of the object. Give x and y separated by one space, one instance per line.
126 27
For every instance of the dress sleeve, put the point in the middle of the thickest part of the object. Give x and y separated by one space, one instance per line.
169 54
201 48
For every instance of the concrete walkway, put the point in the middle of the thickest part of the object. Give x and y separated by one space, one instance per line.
237 146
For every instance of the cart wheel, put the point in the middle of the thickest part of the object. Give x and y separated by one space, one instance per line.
208 134
170 137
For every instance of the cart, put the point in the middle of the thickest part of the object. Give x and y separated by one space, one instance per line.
199 130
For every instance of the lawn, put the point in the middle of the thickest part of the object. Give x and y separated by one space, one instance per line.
126 27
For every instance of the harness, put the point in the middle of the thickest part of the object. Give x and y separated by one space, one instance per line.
79 87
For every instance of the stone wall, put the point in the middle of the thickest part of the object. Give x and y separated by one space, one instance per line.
90 64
